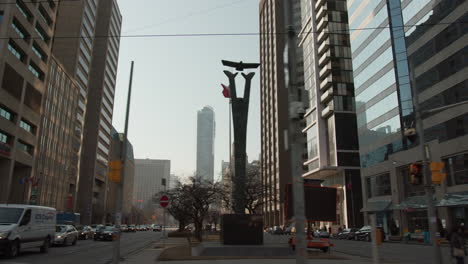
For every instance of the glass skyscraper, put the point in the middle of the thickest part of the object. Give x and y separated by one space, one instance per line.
397 44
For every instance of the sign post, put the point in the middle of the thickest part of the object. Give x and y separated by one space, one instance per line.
164 202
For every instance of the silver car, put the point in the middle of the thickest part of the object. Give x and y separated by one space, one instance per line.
65 235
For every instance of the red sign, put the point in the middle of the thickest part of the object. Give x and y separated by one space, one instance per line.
164 201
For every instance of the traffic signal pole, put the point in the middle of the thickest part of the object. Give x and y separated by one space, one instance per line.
431 211
123 151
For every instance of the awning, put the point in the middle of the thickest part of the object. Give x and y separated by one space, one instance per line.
414 202
454 199
377 206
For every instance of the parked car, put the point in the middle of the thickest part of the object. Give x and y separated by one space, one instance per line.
123 228
65 235
84 232
157 228
277 230
109 233
347 233
131 228
19 223
363 234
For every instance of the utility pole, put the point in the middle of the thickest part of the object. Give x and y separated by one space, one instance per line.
123 151
294 135
431 211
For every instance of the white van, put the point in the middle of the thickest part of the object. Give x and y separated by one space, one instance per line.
26 226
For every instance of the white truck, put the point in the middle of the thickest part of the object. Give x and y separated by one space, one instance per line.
26 226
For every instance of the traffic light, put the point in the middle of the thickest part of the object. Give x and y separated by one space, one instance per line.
438 175
416 173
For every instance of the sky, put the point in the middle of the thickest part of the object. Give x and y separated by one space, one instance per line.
174 77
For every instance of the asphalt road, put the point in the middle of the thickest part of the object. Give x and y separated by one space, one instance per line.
85 251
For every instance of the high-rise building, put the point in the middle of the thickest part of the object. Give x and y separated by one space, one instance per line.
26 29
147 182
419 44
93 61
56 160
205 143
276 159
129 175
332 142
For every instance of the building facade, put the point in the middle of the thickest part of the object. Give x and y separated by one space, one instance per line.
129 175
205 143
275 166
419 44
56 160
149 174
332 142
99 109
26 29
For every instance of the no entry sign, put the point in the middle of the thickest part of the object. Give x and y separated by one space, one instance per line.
164 201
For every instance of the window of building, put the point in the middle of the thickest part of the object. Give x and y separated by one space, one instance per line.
456 168
1 16
34 69
39 52
3 138
450 129
20 30
6 113
378 185
45 17
26 126
15 50
24 10
24 147
42 34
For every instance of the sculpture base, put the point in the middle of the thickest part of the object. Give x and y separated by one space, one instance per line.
241 229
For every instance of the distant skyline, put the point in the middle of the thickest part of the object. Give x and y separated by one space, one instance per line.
174 77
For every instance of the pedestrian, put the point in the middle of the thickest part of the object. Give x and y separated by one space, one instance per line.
457 244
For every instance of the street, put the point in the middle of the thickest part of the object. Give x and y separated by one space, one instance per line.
85 251
389 252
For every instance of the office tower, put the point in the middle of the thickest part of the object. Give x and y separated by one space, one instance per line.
147 182
94 63
332 142
405 45
56 160
26 29
275 166
129 175
205 143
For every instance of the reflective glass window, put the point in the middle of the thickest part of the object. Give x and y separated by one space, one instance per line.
378 109
373 67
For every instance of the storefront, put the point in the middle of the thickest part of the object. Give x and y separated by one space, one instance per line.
381 208
457 204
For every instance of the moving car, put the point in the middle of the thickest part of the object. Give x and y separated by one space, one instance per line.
318 243
65 235
85 232
26 226
157 228
363 234
109 233
347 233
322 234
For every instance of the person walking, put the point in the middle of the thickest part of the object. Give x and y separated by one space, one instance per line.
457 243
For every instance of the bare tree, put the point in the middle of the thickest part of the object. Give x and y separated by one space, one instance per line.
179 206
255 191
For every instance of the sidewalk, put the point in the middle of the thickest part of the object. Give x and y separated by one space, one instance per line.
150 255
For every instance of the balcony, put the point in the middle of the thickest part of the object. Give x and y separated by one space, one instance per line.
322 35
320 3
327 82
326 96
327 111
325 71
323 47
324 59
321 12
323 22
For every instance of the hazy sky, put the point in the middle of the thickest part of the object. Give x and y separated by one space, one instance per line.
174 77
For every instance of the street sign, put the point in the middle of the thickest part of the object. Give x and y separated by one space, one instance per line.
164 201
